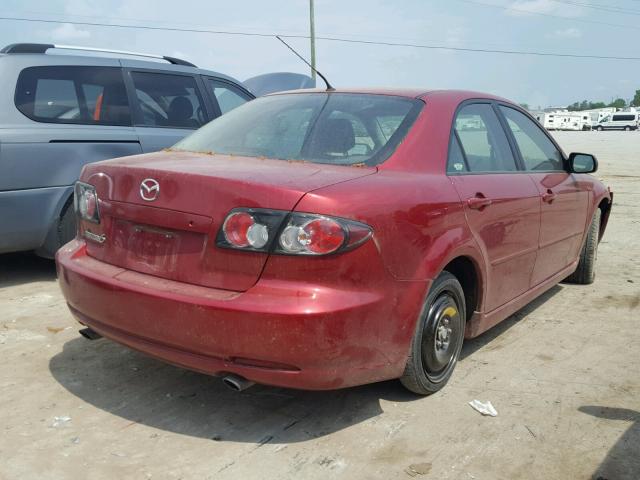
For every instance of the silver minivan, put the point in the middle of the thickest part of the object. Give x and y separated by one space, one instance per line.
61 111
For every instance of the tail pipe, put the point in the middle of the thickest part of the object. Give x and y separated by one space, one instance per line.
89 334
237 383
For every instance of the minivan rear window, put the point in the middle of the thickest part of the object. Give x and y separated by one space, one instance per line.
334 128
73 94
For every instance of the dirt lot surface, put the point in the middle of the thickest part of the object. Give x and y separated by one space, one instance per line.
563 373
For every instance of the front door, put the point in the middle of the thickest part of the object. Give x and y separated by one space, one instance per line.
501 203
563 200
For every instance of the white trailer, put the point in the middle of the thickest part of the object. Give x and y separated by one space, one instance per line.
546 119
570 121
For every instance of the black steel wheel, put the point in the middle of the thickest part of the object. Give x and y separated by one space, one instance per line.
438 338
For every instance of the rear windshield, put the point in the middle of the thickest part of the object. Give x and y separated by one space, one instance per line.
335 128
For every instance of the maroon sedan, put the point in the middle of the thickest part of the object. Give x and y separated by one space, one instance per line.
320 240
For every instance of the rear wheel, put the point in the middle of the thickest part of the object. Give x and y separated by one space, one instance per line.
66 225
437 342
586 271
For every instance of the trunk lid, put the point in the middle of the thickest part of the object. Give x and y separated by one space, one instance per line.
173 235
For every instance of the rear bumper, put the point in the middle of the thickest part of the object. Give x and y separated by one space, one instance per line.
279 333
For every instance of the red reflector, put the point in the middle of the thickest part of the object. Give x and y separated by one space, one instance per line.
236 227
323 236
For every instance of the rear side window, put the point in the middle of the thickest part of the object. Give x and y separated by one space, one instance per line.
457 162
227 96
537 151
483 141
624 118
70 94
167 100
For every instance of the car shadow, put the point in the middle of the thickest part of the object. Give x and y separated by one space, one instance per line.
623 459
142 390
22 268
472 345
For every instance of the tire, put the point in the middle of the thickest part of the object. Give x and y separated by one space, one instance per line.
585 273
66 225
627 129
437 342
599 129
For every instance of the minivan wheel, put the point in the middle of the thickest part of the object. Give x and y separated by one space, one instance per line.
438 339
627 128
586 271
66 225
599 128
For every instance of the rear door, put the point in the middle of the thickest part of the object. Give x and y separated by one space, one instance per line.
167 106
501 202
563 199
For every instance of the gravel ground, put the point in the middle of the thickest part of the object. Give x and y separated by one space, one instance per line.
563 374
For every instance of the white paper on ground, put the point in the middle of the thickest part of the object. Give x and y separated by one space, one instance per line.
485 408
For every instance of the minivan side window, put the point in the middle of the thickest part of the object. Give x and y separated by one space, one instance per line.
167 100
73 94
624 118
483 141
227 96
537 151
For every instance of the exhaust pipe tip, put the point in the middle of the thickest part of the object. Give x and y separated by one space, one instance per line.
89 334
236 382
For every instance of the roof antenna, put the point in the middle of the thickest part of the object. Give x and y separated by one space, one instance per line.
329 87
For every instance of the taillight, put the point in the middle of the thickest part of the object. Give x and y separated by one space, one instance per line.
241 229
290 233
86 202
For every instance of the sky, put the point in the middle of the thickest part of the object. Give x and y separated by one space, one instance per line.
484 24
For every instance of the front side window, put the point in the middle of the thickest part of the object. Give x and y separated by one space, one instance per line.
167 100
71 94
484 144
537 151
227 96
335 128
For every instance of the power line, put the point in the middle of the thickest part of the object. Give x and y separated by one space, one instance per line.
326 38
477 50
594 6
550 15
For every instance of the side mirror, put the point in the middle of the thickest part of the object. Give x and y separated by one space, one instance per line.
582 163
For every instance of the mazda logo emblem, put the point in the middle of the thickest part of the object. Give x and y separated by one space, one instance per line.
149 189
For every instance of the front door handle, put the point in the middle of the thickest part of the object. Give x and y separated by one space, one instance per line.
478 202
549 196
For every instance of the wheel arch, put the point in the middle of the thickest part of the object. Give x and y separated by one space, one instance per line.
605 209
466 269
50 244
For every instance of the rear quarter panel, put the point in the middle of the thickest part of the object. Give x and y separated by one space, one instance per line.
419 226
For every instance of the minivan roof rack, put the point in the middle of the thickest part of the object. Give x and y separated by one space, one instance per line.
43 47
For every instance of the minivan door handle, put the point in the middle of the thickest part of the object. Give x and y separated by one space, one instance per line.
549 196
478 202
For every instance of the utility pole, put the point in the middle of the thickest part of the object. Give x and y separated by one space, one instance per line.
312 35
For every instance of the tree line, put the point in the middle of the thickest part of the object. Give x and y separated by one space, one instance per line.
617 103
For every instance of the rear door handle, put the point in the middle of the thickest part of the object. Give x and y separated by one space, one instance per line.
549 196
478 202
